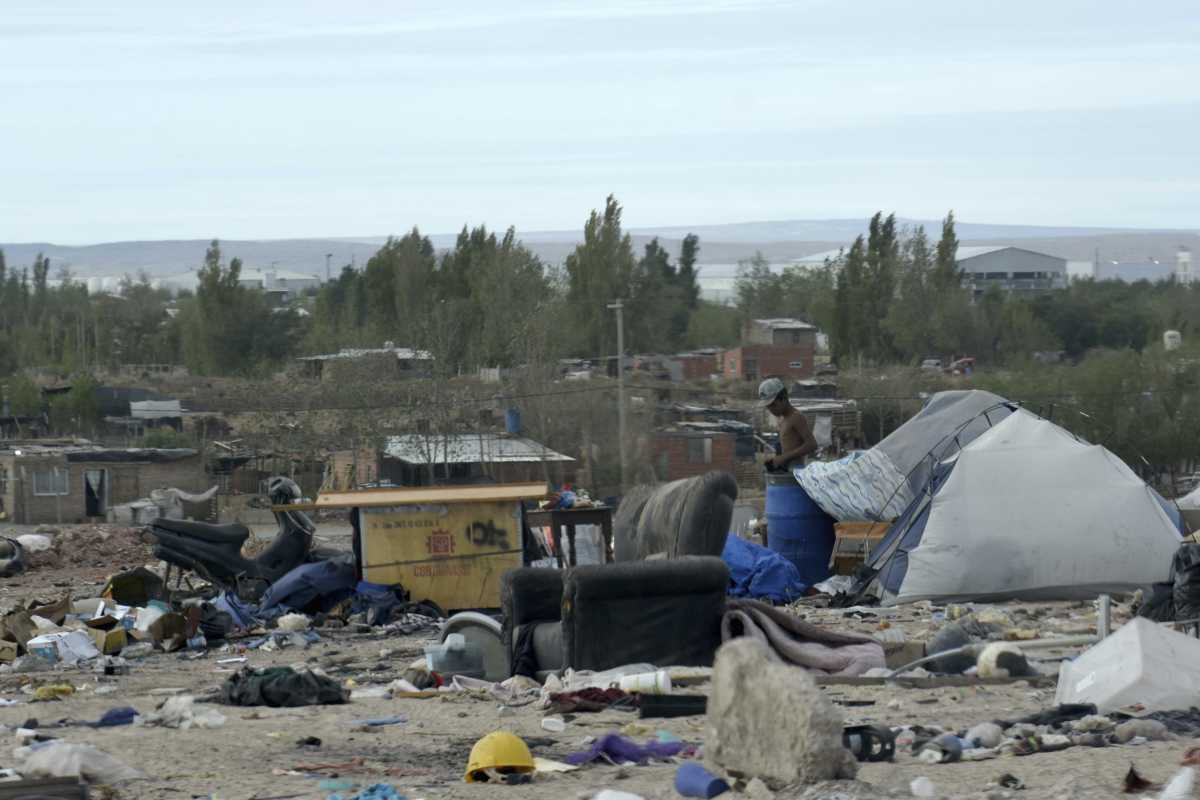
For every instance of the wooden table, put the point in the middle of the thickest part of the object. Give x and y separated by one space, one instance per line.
557 519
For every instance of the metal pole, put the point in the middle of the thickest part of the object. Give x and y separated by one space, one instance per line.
327 257
619 307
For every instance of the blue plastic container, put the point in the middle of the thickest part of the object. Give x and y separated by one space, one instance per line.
512 421
798 529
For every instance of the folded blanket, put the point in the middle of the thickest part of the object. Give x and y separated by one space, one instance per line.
794 641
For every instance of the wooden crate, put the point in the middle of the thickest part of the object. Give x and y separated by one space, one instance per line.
852 542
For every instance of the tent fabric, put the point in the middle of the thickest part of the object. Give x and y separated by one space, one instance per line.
1026 511
759 573
880 483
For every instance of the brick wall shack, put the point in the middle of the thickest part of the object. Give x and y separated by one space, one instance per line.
49 486
685 454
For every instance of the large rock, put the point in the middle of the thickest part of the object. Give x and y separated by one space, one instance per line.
771 721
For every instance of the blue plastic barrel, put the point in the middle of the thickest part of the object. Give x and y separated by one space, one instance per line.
512 421
797 528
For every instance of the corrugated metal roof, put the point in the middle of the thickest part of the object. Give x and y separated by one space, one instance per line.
979 250
401 353
785 324
468 448
155 409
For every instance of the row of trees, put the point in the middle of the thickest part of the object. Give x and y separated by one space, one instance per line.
896 297
893 296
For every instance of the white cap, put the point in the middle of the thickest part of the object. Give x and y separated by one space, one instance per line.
768 390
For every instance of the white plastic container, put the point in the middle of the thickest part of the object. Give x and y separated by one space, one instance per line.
647 683
1142 663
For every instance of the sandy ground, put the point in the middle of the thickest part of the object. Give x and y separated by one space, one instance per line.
255 754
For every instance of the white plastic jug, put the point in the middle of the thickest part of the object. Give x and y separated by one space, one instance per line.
658 682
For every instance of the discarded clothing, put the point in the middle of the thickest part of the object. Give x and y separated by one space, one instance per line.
590 699
281 687
759 573
115 716
389 605
797 642
617 749
317 586
240 613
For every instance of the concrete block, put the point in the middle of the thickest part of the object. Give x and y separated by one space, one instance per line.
771 721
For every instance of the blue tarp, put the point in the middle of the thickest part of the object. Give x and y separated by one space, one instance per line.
325 583
759 573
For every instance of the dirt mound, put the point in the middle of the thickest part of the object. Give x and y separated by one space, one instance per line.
100 546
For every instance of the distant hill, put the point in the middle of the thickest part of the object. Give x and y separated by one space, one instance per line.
720 245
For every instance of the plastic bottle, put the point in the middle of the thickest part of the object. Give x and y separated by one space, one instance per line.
658 682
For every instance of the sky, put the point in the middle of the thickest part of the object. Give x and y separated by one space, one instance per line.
273 119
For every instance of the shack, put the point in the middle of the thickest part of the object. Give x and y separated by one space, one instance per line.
427 459
76 482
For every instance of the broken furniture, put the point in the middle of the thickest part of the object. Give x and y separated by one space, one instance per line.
665 612
558 520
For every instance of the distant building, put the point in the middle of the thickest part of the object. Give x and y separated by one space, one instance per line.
687 453
278 280
1013 269
1151 270
1183 267
783 347
422 459
389 361
42 483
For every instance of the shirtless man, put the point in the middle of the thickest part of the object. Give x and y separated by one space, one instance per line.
795 437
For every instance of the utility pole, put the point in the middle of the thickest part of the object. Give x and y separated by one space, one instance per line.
619 307
328 256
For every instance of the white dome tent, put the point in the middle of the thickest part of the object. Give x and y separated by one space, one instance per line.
1025 511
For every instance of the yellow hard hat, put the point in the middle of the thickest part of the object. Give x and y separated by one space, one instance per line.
499 750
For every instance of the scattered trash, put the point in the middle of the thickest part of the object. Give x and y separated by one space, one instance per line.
58 759
554 724
1003 660
180 712
380 722
1134 782
281 687
1180 787
922 787
308 741
124 715
54 692
693 780
987 734
69 647
1149 729
549 766
619 750
658 682
942 750
613 794
870 742
1010 781
379 791
293 622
